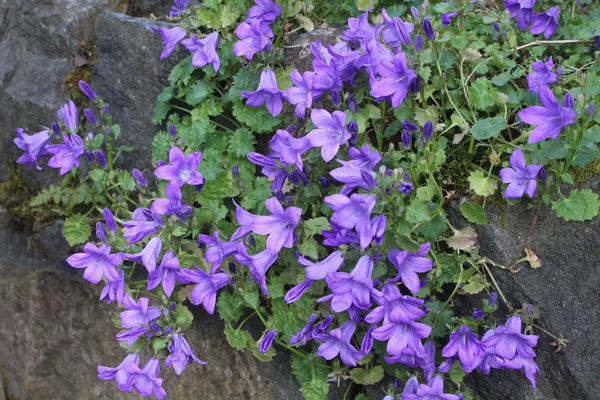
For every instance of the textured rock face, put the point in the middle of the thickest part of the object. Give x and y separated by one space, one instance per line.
566 288
38 39
129 75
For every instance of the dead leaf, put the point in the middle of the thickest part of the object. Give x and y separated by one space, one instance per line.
533 260
463 239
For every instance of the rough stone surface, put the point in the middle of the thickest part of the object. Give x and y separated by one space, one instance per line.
567 290
142 8
38 39
129 76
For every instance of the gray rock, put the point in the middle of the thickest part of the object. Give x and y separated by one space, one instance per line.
37 43
143 8
566 288
129 76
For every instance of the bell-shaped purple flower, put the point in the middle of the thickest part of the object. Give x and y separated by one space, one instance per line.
146 380
279 225
97 261
264 10
66 156
114 289
522 10
178 8
351 288
398 32
351 212
181 354
302 93
149 255
394 80
259 264
165 273
304 335
182 169
408 264
170 38
205 50
467 346
267 93
434 390
330 134
267 341
142 226
120 374
289 149
318 270
550 119
217 251
255 36
521 178
69 115
546 22
35 146
542 75
138 313
337 342
508 341
207 285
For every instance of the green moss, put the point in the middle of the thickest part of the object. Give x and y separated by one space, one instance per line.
581 175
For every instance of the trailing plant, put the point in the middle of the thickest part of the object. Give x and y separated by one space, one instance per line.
315 202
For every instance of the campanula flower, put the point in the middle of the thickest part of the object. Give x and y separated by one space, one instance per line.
142 226
264 10
139 177
87 90
398 32
404 338
267 341
182 169
170 38
521 178
318 270
289 149
522 10
508 341
255 36
295 293
35 146
546 22
207 285
542 75
279 225
119 374
146 380
138 313
350 288
304 335
181 354
259 264
97 261
447 18
69 114
205 50
427 130
302 93
428 29
267 93
434 390
467 346
178 8
149 255
330 132
337 342
395 307
165 273
90 116
360 30
550 119
408 264
351 212
66 156
114 289
394 80
569 101
217 251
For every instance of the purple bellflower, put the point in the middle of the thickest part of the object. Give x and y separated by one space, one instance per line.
434 390
267 341
114 289
357 173
398 32
467 346
546 22
360 31
267 92
404 338
447 18
550 119
182 169
90 116
87 90
351 288
320 269
207 285
255 36
408 264
542 75
508 341
265 10
35 146
428 29
522 10
302 93
217 251
330 133
395 307
395 80
97 261
181 354
119 374
279 225
304 335
259 264
138 313
165 273
521 178
143 225
170 38
205 50
70 116
139 177
289 149
338 342
272 167
146 380
295 293
66 156
149 255
178 8
353 211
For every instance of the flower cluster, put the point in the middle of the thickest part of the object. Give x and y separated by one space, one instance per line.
204 50
255 33
545 22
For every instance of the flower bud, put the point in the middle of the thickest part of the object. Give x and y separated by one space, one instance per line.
55 129
110 220
88 91
496 26
100 231
419 42
406 138
352 106
267 341
89 115
569 101
428 29
101 158
335 97
427 130
137 174
414 12
172 130
591 110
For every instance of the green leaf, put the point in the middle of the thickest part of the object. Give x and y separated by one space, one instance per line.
96 175
182 71
241 142
483 95
456 373
314 226
198 92
259 119
126 180
252 299
488 128
363 5
315 389
161 145
158 344
230 14
309 247
501 79
474 213
364 115
236 339
417 212
230 307
474 285
581 205
81 195
481 184
76 229
367 376
183 316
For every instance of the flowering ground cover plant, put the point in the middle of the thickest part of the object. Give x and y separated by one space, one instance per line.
313 202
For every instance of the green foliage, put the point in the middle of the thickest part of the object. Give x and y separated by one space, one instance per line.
581 205
481 184
76 229
474 213
367 376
